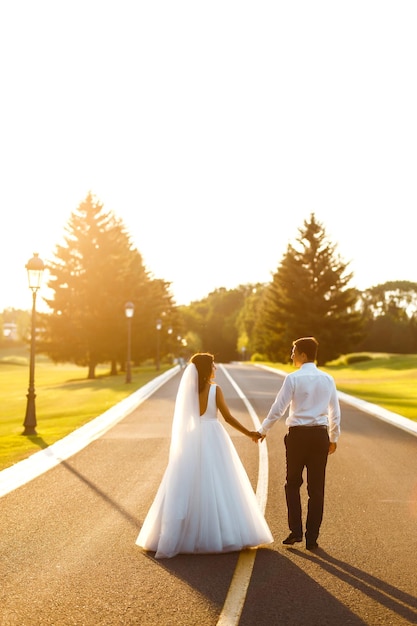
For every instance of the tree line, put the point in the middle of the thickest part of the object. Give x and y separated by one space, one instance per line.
97 270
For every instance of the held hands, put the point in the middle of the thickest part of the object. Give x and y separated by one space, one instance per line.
255 436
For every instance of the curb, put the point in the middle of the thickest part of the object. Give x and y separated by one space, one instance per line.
24 471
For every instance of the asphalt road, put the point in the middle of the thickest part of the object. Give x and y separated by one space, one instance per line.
68 553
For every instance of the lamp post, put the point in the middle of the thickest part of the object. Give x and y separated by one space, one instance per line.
158 332
35 267
129 312
169 331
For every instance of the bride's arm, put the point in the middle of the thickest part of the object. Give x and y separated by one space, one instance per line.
225 411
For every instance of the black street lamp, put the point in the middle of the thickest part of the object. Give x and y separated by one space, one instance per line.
35 268
169 331
129 311
158 332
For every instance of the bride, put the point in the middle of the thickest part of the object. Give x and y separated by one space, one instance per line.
205 502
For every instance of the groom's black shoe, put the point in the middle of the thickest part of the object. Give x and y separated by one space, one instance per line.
291 540
311 541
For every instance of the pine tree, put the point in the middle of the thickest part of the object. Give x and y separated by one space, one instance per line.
94 274
309 296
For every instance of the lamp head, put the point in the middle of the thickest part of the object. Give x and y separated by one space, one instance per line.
35 267
129 309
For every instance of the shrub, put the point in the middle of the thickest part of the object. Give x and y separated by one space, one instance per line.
257 356
357 358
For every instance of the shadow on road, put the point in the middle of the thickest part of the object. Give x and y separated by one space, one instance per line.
104 496
279 591
128 516
209 574
401 603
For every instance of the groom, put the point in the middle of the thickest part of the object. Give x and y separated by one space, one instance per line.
314 428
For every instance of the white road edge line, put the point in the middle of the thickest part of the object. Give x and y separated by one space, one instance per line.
236 595
40 462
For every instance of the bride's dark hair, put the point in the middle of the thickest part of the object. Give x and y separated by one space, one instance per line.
204 364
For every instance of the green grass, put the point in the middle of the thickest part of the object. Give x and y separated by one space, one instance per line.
388 380
65 400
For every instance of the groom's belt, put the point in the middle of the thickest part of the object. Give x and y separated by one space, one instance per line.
305 427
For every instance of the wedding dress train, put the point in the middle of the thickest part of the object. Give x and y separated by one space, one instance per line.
205 502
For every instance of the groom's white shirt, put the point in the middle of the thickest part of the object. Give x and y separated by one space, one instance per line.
312 399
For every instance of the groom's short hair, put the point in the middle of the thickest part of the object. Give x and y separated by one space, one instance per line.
308 345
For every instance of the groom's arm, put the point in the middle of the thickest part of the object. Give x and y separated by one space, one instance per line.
278 408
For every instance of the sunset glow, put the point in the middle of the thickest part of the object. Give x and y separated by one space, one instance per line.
213 131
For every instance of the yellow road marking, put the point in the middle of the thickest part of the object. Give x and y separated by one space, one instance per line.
236 595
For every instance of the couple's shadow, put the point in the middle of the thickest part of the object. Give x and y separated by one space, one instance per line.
381 592
281 592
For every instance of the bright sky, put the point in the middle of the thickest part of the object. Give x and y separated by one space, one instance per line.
213 130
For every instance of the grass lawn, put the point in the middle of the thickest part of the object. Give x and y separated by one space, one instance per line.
65 400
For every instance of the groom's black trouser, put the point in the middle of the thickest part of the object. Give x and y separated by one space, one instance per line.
306 447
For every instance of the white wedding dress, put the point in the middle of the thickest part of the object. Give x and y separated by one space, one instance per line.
205 502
